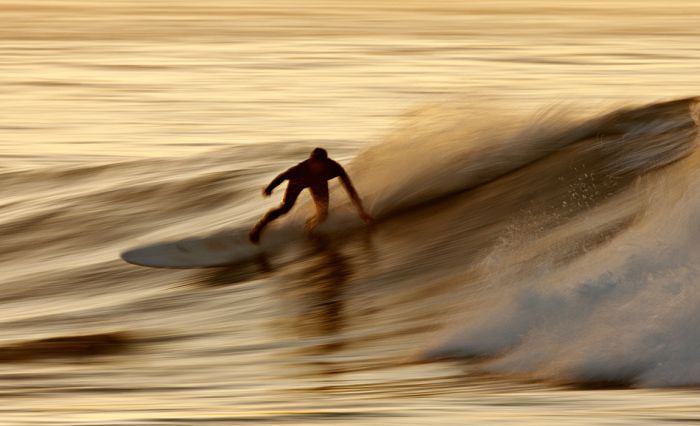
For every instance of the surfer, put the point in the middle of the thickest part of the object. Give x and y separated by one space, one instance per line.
313 173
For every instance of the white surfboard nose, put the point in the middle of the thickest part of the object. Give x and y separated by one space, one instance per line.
199 252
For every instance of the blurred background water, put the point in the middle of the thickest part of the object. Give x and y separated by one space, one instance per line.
534 257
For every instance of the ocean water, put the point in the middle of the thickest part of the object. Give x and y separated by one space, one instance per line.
532 168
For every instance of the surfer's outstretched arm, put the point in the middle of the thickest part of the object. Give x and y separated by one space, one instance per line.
275 183
345 179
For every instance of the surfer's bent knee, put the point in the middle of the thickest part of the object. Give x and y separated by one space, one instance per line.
284 208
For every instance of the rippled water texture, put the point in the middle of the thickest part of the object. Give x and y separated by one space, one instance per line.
532 167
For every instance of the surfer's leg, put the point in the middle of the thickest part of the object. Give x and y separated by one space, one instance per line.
320 196
290 197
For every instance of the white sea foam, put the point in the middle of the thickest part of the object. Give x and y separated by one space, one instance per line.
624 313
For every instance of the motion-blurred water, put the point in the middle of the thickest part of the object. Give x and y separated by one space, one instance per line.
532 167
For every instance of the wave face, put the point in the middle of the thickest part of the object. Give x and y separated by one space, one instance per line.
587 243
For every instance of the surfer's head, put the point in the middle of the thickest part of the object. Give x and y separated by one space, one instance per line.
319 154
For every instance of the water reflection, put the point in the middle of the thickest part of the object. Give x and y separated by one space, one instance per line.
315 305
321 300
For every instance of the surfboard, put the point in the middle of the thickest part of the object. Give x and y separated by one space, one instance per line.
232 247
222 249
225 248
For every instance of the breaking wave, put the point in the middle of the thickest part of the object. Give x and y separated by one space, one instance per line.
558 248
595 283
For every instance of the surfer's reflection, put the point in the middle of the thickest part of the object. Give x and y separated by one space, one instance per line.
318 300
323 282
311 293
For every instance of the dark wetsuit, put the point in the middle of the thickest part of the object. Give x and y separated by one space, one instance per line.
314 174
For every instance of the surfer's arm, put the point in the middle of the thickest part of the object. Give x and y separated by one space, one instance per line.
275 183
347 184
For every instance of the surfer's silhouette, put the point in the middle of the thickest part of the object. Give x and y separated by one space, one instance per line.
313 173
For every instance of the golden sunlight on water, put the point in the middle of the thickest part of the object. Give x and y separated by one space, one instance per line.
141 77
509 245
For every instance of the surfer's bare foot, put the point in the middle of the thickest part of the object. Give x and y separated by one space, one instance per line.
254 236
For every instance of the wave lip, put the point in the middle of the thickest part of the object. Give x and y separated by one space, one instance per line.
441 154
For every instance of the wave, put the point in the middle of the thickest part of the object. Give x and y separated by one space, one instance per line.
594 282
562 245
